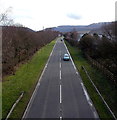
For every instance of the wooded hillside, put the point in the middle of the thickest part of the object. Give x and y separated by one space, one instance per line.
19 44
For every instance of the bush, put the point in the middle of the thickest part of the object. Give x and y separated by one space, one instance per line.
101 49
71 37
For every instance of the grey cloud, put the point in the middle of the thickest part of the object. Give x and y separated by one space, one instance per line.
74 16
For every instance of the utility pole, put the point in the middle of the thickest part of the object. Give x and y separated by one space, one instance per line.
43 28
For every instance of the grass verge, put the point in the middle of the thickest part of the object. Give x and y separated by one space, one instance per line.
25 79
106 87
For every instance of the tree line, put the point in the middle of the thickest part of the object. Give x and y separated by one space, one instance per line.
102 48
19 44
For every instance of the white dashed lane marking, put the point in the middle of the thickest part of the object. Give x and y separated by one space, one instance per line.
60 74
60 94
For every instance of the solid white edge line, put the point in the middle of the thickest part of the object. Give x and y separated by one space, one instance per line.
95 114
77 73
85 92
38 84
89 101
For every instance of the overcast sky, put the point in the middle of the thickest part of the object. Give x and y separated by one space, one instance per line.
51 13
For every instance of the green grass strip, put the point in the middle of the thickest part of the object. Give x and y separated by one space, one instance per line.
107 89
25 79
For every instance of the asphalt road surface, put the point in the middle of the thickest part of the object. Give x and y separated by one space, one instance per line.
60 92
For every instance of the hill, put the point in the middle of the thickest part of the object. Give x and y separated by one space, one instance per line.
79 28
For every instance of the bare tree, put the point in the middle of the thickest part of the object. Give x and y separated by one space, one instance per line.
5 19
18 25
109 30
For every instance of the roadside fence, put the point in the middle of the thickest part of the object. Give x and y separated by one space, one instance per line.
104 70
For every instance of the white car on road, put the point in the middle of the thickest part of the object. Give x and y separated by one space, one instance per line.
66 57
